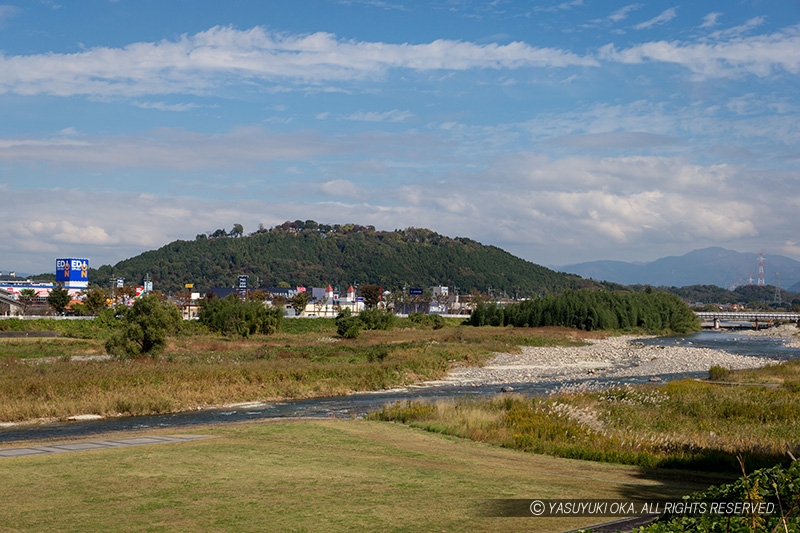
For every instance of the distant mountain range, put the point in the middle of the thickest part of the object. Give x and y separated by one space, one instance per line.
7 272
708 266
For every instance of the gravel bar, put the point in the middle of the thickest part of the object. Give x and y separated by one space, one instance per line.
614 357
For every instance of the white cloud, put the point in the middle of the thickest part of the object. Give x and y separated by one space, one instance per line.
533 205
201 63
6 13
395 115
737 31
662 18
167 148
711 20
759 55
161 106
622 14
616 140
341 189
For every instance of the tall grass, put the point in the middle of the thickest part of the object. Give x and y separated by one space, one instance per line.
35 348
199 368
683 424
82 329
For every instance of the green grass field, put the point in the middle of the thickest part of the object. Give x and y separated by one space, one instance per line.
304 476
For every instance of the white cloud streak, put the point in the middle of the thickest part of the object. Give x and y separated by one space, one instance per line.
200 63
168 148
394 115
162 106
621 14
662 18
6 12
759 55
737 31
710 20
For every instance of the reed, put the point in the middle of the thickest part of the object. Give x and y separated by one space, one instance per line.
684 424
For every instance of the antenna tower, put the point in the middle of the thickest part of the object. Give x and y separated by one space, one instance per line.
761 279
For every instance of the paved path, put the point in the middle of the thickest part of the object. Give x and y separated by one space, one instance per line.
94 445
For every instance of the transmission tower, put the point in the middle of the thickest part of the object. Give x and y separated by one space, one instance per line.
761 279
777 299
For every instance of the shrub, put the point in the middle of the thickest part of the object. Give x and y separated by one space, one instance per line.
429 321
231 316
376 319
143 327
792 385
377 353
348 326
718 373
777 486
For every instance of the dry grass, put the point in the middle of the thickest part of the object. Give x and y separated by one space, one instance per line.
200 369
684 424
34 348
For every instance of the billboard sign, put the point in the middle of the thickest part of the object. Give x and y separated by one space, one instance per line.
242 286
415 291
72 273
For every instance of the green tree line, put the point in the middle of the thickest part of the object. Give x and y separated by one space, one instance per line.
650 311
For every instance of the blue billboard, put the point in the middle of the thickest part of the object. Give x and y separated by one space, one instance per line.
72 273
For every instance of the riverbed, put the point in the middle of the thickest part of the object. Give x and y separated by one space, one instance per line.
632 357
603 363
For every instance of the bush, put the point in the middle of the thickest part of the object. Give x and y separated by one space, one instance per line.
792 385
376 319
231 316
777 486
377 353
143 328
348 326
429 321
718 373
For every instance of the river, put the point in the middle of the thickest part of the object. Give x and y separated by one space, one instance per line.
356 405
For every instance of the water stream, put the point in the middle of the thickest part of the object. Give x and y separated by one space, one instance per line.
356 405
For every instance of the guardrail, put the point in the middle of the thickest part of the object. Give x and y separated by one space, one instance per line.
754 317
53 317
746 315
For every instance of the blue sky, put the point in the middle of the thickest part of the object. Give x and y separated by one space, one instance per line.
562 132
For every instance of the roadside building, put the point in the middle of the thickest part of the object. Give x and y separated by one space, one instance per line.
9 306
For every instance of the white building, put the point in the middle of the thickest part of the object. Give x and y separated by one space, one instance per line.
328 304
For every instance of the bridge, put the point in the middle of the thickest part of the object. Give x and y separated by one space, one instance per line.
756 317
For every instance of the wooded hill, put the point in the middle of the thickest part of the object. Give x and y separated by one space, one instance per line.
310 254
758 296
